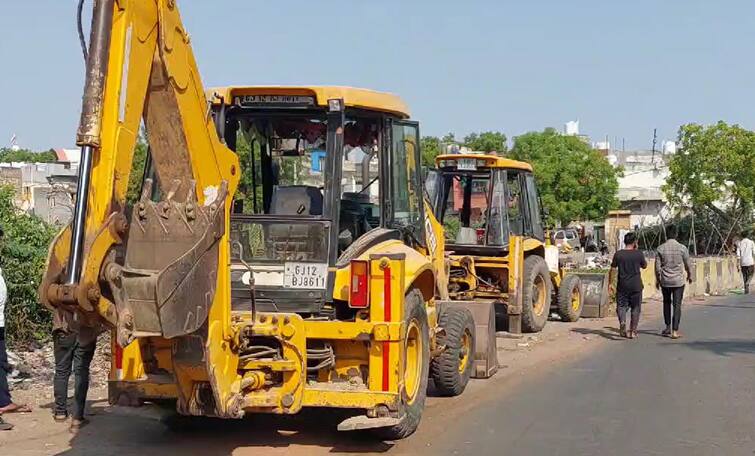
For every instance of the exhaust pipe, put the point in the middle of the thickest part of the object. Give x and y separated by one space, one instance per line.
88 134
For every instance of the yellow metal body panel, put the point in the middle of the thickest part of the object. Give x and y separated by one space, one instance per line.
419 270
352 97
491 161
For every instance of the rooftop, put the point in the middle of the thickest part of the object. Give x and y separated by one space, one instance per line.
352 97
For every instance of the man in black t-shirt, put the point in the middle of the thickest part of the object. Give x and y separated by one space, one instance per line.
628 262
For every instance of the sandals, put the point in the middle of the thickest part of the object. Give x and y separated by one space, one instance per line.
15 408
5 426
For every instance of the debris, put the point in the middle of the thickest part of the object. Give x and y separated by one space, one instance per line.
523 344
36 366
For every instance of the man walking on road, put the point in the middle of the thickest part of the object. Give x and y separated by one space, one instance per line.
671 261
628 262
746 253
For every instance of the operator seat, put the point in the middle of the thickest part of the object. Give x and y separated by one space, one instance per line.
296 200
299 200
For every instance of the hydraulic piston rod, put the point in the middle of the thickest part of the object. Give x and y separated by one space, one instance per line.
88 135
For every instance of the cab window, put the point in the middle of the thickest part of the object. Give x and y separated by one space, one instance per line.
406 196
514 203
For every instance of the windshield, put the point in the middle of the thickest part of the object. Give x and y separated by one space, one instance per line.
285 164
472 208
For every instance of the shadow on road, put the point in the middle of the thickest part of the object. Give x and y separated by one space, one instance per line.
111 433
607 332
721 347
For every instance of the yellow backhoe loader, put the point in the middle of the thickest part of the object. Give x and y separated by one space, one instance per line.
498 252
281 255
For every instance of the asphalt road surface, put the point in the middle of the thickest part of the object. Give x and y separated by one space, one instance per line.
580 390
649 396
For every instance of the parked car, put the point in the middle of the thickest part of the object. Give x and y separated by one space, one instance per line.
568 236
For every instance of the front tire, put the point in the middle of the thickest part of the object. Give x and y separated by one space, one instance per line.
536 294
569 298
416 368
452 369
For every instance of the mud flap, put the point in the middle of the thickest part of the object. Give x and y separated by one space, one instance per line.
486 350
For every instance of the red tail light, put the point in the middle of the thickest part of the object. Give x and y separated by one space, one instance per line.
359 293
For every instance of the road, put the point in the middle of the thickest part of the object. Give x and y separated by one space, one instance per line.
649 396
580 390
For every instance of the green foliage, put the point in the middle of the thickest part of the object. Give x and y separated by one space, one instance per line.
26 156
714 169
575 181
249 174
486 141
137 169
23 252
430 146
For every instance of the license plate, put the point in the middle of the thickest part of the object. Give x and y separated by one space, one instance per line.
305 275
466 164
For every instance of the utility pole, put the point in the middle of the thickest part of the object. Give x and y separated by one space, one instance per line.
655 137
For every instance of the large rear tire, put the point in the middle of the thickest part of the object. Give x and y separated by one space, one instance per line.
569 298
416 368
452 369
536 294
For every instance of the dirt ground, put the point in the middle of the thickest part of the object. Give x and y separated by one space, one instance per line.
123 432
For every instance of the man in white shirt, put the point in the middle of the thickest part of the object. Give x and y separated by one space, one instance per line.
746 252
4 367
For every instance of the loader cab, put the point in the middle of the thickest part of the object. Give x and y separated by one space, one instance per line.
325 172
482 200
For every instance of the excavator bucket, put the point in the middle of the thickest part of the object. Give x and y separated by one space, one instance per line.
486 350
594 295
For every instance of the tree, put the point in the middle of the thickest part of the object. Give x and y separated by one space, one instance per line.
486 141
23 252
26 156
714 171
430 146
575 181
138 163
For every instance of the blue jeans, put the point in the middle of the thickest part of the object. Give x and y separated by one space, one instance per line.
626 302
4 371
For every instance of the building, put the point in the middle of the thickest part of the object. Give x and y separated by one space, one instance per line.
641 187
43 189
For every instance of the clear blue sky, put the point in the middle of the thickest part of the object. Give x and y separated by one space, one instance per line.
621 68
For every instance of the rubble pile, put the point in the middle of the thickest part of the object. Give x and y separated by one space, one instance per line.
36 366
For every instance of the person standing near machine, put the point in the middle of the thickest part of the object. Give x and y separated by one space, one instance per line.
73 346
628 262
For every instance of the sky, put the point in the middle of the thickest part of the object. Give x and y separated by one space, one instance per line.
621 68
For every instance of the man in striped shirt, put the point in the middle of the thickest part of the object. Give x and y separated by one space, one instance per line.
671 262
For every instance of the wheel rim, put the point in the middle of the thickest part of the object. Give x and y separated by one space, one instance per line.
413 360
464 350
538 295
575 299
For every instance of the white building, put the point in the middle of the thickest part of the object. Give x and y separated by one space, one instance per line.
641 187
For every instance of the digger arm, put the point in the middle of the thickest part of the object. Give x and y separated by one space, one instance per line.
141 68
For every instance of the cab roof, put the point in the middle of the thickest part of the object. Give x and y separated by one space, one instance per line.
491 161
352 97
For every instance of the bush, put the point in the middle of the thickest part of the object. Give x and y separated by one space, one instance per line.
23 252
